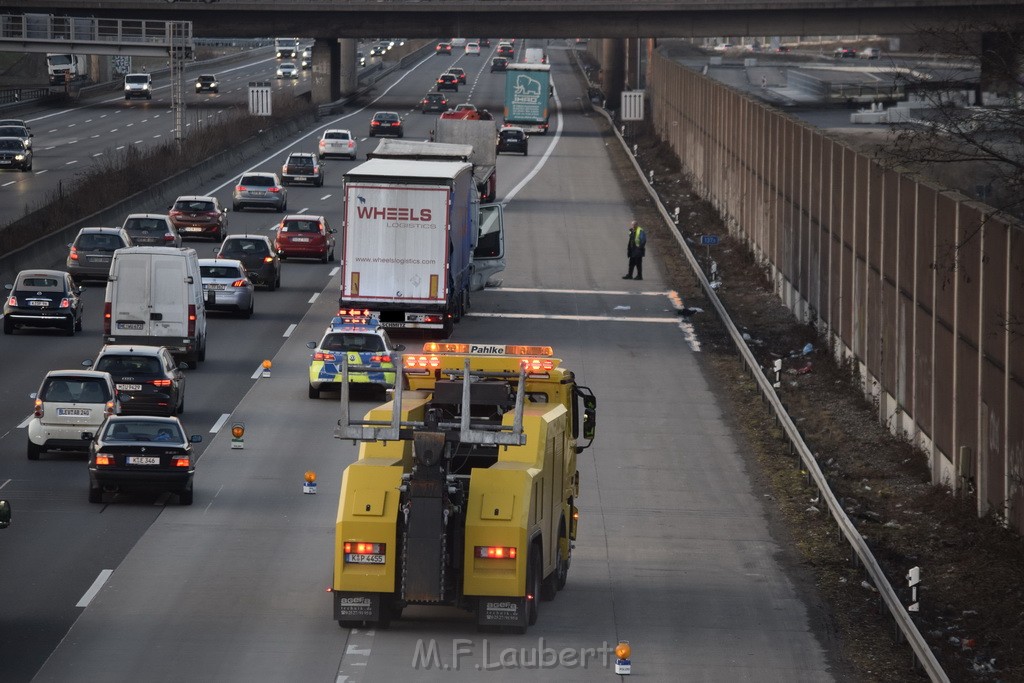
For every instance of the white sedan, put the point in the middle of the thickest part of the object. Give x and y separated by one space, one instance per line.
287 70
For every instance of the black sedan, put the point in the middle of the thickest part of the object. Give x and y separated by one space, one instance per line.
512 139
386 123
141 454
43 298
147 379
448 82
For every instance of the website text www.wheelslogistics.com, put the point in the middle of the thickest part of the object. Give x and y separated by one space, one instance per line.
394 259
468 654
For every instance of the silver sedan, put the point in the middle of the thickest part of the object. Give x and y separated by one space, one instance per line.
226 287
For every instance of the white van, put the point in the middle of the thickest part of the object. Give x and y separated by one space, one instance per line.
155 297
138 85
870 53
535 55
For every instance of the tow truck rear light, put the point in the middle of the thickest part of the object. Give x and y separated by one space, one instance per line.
181 461
380 359
494 552
354 312
106 318
160 382
320 355
364 548
536 364
104 460
422 362
491 349
37 410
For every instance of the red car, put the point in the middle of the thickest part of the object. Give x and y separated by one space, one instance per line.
195 216
305 236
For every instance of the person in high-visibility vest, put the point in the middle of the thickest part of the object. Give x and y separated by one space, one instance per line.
636 250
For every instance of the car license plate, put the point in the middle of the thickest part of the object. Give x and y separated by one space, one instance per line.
257 193
129 387
216 287
5 162
142 460
300 239
41 304
358 558
194 228
129 326
73 412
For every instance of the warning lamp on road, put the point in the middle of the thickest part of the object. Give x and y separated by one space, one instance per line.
237 435
309 485
623 664
266 368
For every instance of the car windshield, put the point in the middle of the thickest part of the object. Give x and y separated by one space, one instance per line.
243 247
136 79
352 341
206 79
129 365
258 180
75 390
193 205
140 430
301 226
40 283
94 241
214 272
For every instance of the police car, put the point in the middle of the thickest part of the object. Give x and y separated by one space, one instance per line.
358 336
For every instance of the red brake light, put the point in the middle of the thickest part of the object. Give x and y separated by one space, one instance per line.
375 123
495 552
385 358
168 238
64 303
320 355
191 320
161 382
106 318
181 460
238 283
273 189
240 188
38 408
12 301
103 459
74 254
363 548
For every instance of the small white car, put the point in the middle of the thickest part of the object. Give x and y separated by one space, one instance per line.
287 70
68 403
337 142
473 49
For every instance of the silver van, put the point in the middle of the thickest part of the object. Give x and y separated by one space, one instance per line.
155 297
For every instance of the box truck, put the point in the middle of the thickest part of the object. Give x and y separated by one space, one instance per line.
527 90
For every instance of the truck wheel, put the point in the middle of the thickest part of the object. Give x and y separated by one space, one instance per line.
549 586
202 350
533 587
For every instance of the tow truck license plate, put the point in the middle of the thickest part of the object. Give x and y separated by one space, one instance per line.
357 558
142 460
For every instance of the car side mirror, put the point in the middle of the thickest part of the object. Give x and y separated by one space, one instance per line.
399 347
87 363
33 395
195 438
310 345
87 436
81 288
5 514
8 286
333 231
183 365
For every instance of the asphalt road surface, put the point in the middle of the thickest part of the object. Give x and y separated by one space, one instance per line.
673 554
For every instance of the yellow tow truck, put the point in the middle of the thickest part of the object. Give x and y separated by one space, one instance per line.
465 489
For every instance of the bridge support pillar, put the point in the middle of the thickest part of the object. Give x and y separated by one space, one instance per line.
326 69
613 70
349 71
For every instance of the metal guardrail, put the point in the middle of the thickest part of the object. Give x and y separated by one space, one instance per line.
922 652
21 95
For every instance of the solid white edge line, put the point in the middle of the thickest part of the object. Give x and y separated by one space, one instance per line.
95 588
577 318
219 423
289 330
544 159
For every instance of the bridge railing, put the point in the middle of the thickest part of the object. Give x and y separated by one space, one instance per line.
47 28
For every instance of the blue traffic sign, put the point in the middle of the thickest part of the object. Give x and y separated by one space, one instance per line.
709 240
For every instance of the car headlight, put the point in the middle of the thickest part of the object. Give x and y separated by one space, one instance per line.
146 87
19 157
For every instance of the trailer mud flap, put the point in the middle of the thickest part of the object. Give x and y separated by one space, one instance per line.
502 611
356 606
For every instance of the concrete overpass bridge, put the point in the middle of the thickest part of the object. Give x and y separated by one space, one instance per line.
336 24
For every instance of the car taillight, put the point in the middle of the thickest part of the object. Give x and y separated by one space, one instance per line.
181 461
351 144
320 355
74 254
37 409
380 359
108 408
238 283
12 301
160 382
64 303
375 123
316 169
106 318
268 259
273 189
104 460
174 212
191 320
240 188
168 237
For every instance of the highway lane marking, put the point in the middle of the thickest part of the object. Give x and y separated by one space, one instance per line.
129 125
6 483
117 148
72 125
313 298
97 154
157 135
41 172
95 588
326 196
544 158
88 120
287 333
137 142
304 209
577 318
9 182
73 161
207 508
72 142
47 149
94 136
220 422
113 130
331 124
539 290
24 423
52 131
259 372
334 271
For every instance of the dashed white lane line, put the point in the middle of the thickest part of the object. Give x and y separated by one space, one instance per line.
9 182
41 172
73 161
121 147
47 149
72 125
93 136
6 483
303 209
326 196
24 423
259 372
334 271
128 125
578 318
287 333
219 423
157 135
137 142
54 130
95 588
313 298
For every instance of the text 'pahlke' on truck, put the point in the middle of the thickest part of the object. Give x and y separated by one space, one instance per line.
527 90
416 241
454 140
62 68
465 489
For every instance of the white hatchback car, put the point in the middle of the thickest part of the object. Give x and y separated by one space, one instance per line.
337 142
472 48
68 403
